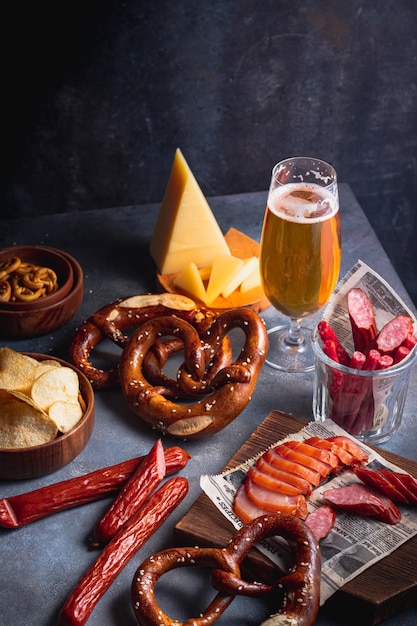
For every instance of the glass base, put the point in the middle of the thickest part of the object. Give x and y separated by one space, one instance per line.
287 356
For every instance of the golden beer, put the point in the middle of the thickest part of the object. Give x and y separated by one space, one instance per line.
300 248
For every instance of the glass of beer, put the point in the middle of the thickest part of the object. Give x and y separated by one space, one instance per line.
300 254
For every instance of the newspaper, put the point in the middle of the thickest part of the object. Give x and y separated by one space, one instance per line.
354 544
385 301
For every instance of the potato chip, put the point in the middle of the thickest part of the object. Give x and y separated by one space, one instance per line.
44 366
22 426
60 383
25 398
65 415
17 371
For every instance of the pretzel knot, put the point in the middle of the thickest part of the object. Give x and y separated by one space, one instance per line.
301 586
223 389
111 322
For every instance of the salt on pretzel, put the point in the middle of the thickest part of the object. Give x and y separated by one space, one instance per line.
225 392
112 320
298 591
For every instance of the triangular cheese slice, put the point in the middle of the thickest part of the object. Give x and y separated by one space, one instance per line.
190 281
186 230
225 267
248 266
253 281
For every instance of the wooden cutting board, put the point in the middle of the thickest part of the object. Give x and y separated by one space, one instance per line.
383 590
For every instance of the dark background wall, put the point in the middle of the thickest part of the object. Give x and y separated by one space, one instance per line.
97 95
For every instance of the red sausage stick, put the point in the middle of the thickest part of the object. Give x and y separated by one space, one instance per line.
134 493
116 554
19 510
362 319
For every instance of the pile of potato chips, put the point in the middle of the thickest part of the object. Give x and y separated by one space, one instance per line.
38 400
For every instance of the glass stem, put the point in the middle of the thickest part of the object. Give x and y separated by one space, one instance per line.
294 337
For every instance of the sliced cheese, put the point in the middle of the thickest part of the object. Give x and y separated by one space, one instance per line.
190 281
225 268
205 272
186 230
253 281
248 266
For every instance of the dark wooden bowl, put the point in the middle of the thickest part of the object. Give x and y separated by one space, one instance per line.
23 463
51 312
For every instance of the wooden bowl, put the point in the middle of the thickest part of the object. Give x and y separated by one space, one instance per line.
46 314
24 463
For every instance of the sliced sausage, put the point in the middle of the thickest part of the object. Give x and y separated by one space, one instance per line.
321 521
363 500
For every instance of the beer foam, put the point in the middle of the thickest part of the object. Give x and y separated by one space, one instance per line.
303 203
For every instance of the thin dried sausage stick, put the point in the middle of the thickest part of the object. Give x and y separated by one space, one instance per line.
116 554
327 333
134 493
25 508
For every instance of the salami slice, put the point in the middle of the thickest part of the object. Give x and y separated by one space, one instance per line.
364 500
321 521
393 334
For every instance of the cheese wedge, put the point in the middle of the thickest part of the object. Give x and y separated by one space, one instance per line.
190 281
186 230
225 268
248 266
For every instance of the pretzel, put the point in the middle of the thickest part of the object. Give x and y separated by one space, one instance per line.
126 313
5 290
225 391
25 281
298 606
9 266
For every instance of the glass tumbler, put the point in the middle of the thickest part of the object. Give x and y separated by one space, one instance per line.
366 404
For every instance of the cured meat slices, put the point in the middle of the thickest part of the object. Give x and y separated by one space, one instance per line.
245 508
285 475
271 482
274 501
352 447
302 484
302 460
322 453
364 500
326 460
278 461
345 458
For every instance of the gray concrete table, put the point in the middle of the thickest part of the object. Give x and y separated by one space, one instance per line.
43 561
